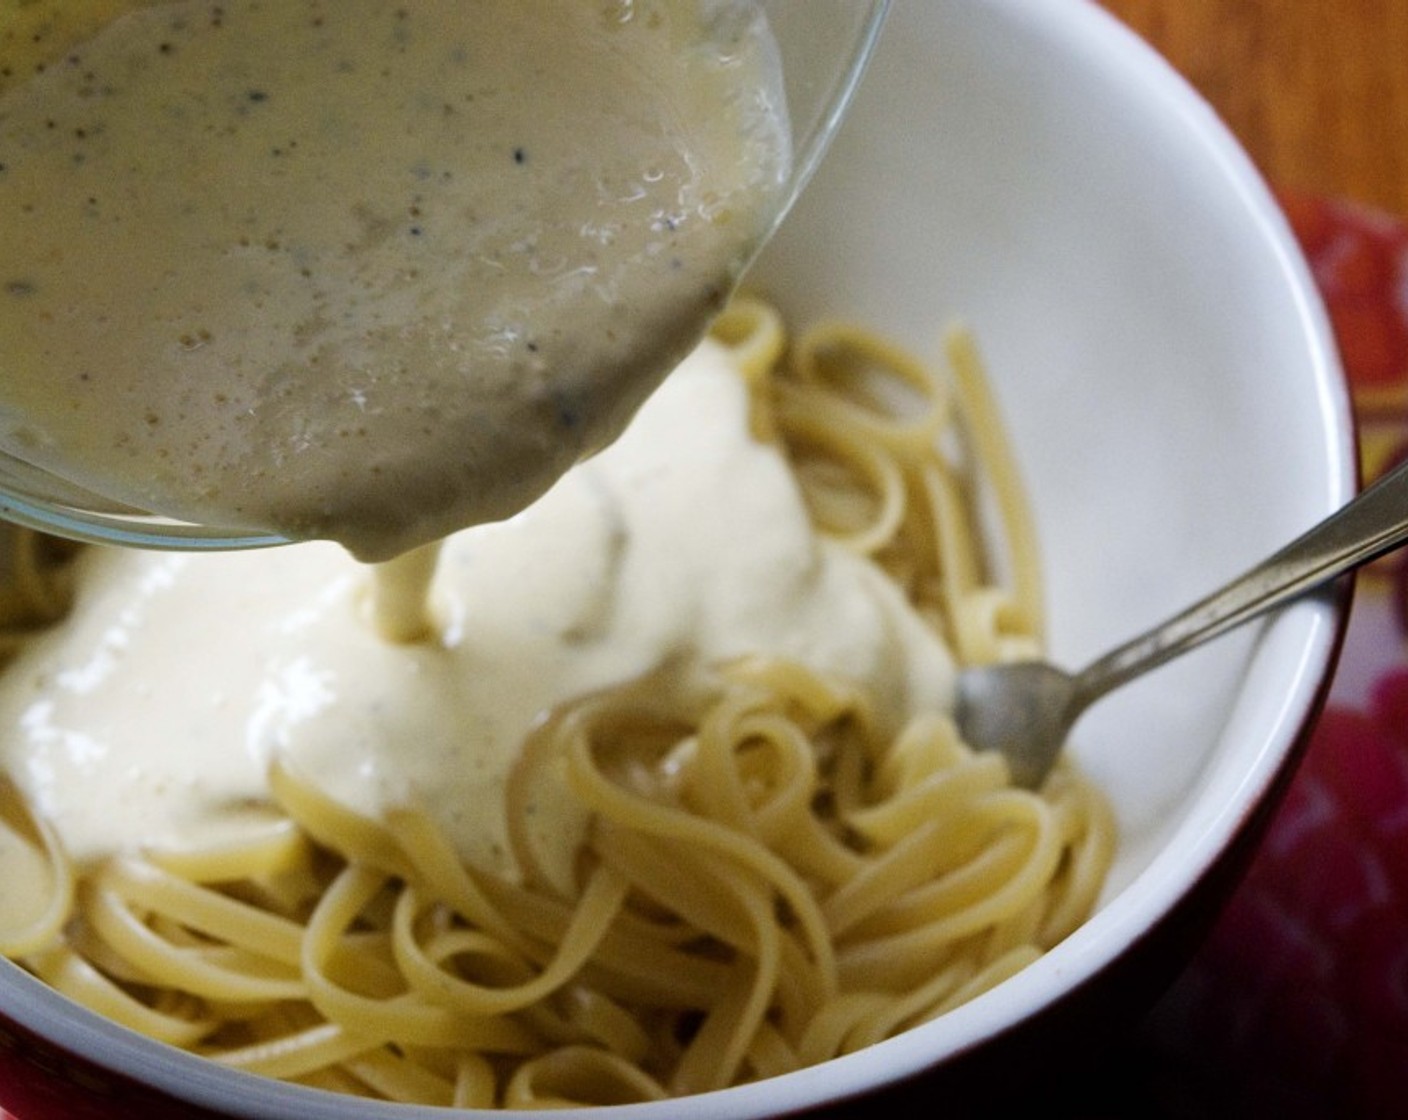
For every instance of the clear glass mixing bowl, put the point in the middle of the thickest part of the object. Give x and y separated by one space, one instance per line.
824 44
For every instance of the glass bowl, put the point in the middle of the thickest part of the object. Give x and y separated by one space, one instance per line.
824 46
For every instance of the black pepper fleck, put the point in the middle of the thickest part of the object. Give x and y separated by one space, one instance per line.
520 156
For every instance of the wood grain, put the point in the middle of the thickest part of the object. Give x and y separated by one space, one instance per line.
1317 90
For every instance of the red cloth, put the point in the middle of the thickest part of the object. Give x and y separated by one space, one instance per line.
1297 1006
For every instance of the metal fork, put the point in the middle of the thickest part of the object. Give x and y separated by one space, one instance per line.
1025 709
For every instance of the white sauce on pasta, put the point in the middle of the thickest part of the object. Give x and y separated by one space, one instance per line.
150 716
368 270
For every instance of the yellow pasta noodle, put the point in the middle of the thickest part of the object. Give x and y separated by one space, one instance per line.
774 872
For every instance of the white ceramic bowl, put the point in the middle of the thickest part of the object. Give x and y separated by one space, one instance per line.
1168 373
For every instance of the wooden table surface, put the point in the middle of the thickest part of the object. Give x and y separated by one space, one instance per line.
1316 90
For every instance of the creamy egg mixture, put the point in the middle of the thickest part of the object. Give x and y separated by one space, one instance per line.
374 272
150 716
360 269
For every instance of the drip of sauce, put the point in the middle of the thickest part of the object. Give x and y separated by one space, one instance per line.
684 543
400 595
366 270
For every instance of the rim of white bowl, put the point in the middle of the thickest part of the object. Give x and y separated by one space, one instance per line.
1302 642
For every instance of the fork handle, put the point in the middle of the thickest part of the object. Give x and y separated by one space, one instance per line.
1364 529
